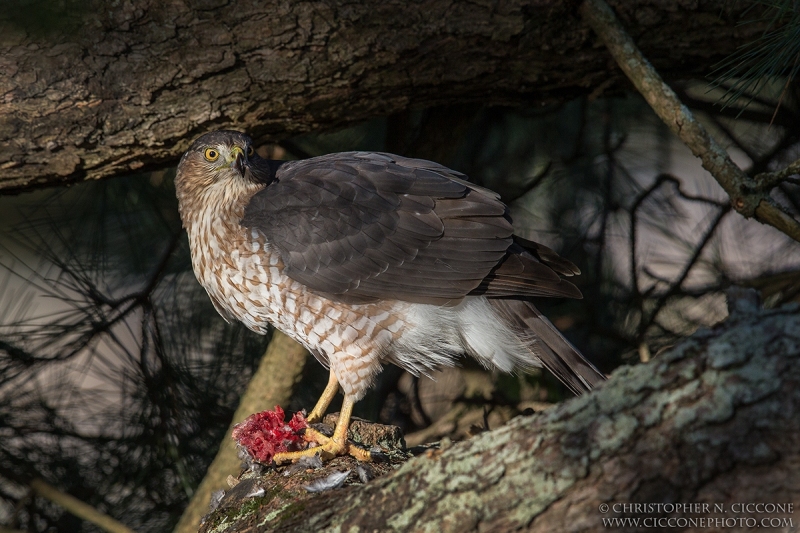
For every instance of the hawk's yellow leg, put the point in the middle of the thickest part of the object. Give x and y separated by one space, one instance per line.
319 410
325 400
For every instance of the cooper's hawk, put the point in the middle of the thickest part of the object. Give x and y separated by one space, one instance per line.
368 259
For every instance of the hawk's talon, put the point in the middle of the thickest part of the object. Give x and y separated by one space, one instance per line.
377 457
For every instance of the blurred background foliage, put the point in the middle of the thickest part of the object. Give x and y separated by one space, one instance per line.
118 379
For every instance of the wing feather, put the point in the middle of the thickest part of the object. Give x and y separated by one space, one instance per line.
363 226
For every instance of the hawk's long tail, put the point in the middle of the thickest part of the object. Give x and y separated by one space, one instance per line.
548 345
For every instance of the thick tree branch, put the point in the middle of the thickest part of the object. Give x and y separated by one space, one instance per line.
746 196
135 81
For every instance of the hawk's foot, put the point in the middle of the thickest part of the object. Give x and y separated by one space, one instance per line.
329 449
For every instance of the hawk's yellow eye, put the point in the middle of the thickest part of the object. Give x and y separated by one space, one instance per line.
250 151
211 154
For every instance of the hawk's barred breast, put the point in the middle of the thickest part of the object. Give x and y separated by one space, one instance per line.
246 282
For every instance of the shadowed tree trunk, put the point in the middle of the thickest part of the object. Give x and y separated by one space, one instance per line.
715 420
103 89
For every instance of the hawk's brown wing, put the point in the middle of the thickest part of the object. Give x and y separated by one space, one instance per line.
368 226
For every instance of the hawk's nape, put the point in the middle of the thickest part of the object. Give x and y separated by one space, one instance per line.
367 259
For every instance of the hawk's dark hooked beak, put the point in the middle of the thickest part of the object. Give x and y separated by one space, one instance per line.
240 160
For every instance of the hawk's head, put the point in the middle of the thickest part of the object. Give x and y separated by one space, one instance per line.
218 171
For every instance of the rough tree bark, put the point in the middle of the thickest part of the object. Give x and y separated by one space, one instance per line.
126 86
715 420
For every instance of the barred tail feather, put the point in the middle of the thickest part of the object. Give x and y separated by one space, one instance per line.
548 345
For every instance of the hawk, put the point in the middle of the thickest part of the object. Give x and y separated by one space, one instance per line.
367 259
